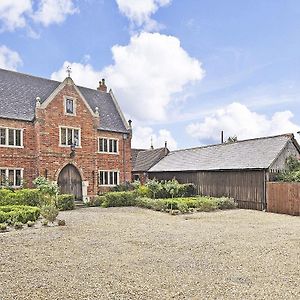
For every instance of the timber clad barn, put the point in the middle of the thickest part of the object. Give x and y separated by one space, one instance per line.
73 135
239 170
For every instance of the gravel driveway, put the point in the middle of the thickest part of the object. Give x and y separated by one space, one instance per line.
131 253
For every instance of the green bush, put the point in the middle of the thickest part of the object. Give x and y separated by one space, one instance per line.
96 201
65 202
144 191
292 174
29 197
186 190
116 199
16 213
226 203
124 187
3 227
49 212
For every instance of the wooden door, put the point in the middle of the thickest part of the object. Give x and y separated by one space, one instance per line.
70 182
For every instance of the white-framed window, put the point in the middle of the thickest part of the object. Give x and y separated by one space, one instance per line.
108 145
111 177
11 137
70 106
69 136
12 177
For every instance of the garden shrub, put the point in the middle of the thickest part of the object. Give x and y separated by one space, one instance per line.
3 226
49 212
16 213
292 174
96 201
144 191
124 187
29 197
226 203
65 202
116 199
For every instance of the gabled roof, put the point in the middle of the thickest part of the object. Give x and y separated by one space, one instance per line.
18 94
256 153
143 160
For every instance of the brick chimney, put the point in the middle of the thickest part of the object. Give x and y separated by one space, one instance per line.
102 86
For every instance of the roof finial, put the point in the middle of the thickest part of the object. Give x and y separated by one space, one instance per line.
151 143
97 110
69 71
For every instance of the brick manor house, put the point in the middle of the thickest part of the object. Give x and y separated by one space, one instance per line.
70 134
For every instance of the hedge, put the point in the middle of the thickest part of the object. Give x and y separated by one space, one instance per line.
116 199
18 213
65 202
29 197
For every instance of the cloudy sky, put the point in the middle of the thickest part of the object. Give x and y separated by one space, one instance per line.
181 70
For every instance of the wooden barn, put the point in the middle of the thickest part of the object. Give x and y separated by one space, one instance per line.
239 170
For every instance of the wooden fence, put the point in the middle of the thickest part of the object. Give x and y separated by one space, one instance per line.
246 187
283 198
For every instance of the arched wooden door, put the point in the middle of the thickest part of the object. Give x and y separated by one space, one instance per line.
70 182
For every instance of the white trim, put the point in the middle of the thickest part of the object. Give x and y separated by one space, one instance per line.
108 138
7 169
72 128
67 81
7 137
74 105
108 171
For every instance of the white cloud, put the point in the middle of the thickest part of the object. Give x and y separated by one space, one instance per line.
9 59
237 119
148 72
19 13
139 12
54 11
145 76
142 138
82 74
13 13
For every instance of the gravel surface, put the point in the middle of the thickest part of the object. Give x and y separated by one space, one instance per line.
131 253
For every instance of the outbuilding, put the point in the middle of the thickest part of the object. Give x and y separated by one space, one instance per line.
239 170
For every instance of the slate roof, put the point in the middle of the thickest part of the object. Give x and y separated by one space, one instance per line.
18 94
248 154
143 160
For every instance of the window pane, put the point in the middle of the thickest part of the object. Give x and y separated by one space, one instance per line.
101 145
105 177
18 137
2 177
11 137
101 178
104 145
63 136
116 178
18 178
115 146
69 106
76 137
111 178
11 177
110 145
2 136
70 139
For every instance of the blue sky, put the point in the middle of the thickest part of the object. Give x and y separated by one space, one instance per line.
182 70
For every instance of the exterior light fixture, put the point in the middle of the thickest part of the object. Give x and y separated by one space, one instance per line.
73 148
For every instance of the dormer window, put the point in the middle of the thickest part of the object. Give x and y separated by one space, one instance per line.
70 106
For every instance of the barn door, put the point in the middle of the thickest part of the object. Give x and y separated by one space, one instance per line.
70 182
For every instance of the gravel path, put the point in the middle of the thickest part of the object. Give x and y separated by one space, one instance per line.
131 253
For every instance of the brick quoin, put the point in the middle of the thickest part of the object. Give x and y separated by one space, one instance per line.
42 155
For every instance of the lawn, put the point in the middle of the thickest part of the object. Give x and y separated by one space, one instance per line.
134 253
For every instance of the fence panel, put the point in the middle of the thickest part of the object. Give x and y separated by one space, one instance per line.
283 198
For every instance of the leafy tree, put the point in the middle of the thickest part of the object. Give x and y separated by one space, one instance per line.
292 174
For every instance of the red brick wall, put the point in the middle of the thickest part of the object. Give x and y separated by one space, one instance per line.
42 154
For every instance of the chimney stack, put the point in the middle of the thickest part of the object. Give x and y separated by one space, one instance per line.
102 86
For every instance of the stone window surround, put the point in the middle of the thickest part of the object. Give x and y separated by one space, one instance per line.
74 106
108 171
70 127
7 169
108 138
7 139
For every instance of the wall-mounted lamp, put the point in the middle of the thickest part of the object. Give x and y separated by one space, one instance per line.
73 148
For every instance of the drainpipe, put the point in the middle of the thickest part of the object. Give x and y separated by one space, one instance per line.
124 157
